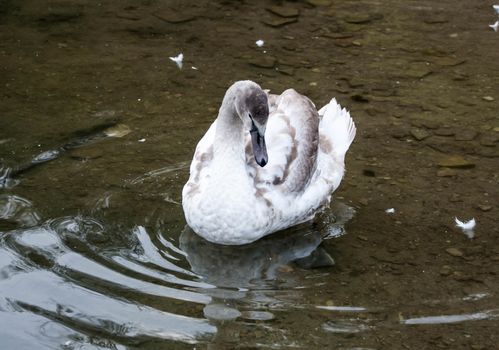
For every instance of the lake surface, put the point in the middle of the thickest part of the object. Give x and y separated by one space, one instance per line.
98 127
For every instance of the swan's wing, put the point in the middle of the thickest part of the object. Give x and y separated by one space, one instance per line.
292 141
337 130
336 133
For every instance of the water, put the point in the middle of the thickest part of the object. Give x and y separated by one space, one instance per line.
98 126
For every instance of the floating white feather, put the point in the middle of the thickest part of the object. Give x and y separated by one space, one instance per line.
178 60
466 226
390 211
495 26
259 43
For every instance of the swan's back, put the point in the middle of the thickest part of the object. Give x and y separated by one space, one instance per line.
302 143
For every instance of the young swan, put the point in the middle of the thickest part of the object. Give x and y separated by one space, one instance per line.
267 162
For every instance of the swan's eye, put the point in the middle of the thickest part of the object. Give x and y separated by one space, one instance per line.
250 116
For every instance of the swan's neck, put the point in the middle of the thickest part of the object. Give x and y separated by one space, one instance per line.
229 141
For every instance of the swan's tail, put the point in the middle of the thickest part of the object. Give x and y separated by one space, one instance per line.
337 129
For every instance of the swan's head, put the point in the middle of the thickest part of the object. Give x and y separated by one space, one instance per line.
253 109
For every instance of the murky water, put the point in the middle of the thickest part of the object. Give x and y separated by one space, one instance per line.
98 127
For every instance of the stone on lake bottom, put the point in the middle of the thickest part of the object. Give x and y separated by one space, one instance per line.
466 135
454 252
319 2
445 131
446 173
286 70
456 162
257 315
484 207
420 134
417 70
283 11
445 270
263 62
279 22
220 312
358 18
174 17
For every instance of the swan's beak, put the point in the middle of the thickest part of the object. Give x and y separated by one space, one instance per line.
258 143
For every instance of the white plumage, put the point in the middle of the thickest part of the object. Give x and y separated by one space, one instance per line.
231 199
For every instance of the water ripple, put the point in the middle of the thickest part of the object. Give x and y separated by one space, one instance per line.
57 298
18 211
77 262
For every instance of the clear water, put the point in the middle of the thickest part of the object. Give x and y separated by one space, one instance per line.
98 127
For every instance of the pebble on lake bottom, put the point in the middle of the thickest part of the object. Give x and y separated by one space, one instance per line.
257 315
221 312
456 162
454 252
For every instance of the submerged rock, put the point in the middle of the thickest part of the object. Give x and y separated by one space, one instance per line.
466 135
435 19
279 22
445 131
399 131
257 315
118 130
360 98
60 16
174 17
449 61
489 152
446 172
446 270
319 258
484 207
489 139
283 11
454 252
320 2
417 70
286 70
420 134
220 312
263 61
359 18
456 162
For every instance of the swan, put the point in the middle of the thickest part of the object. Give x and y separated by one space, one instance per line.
266 163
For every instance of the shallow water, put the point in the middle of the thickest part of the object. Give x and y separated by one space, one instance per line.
98 127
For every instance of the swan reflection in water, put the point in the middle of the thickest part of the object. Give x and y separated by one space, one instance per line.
261 273
253 265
